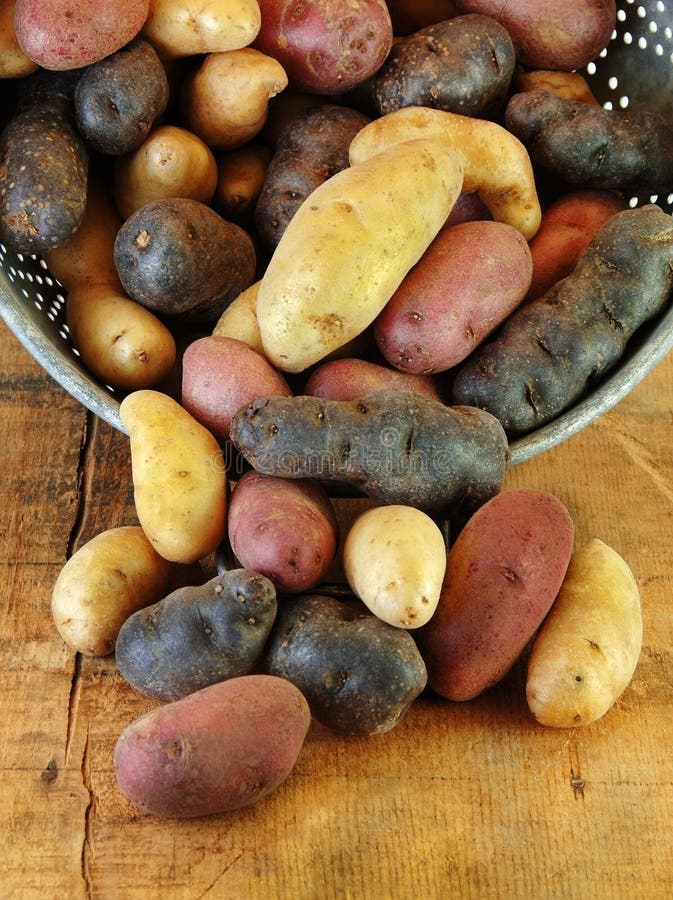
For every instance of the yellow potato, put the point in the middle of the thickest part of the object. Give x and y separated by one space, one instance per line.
239 319
178 28
495 163
394 559
13 61
348 247
179 477
110 577
225 101
171 162
587 649
240 178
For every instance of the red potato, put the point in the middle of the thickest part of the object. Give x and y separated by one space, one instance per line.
503 573
467 282
88 30
325 46
221 748
284 529
566 230
350 378
548 34
222 374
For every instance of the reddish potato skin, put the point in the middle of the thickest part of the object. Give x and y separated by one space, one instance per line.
469 279
285 530
91 30
222 374
503 574
325 46
350 378
548 34
566 229
224 747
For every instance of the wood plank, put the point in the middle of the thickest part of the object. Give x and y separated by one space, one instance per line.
468 800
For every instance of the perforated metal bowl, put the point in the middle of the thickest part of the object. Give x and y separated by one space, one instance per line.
635 69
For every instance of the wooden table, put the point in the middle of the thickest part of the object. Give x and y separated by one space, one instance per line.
460 800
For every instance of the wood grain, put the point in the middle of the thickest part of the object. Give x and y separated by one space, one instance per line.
460 800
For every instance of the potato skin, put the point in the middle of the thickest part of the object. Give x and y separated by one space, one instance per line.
551 35
91 30
325 48
179 258
118 99
179 28
395 446
350 378
44 165
222 748
394 559
550 350
286 530
462 65
358 674
466 283
503 573
311 148
220 375
197 635
587 649
106 580
568 225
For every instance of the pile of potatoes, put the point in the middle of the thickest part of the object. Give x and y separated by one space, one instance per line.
323 248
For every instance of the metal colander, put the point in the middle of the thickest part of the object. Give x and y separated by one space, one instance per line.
636 69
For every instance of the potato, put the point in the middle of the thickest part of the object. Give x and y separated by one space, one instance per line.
566 138
325 47
180 259
346 249
43 166
118 99
88 30
119 341
13 61
463 65
551 35
312 147
171 162
227 119
584 655
568 225
467 282
240 179
239 319
394 559
179 28
503 573
197 635
494 162
286 530
106 580
570 85
350 378
224 747
394 446
220 375
358 674
179 477
551 350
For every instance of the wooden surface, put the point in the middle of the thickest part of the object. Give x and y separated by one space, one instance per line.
460 800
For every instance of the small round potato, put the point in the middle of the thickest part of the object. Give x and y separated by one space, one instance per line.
394 559
110 577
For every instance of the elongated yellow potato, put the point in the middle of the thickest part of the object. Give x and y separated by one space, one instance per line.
495 163
587 649
179 477
348 247
179 28
394 559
